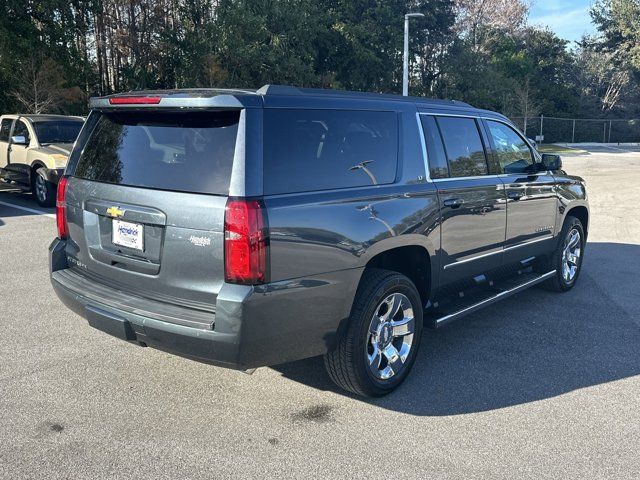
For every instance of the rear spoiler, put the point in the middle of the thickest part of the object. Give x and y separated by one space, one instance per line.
179 99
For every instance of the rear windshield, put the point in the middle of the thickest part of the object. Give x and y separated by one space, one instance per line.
181 151
54 131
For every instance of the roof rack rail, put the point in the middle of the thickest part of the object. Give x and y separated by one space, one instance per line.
289 90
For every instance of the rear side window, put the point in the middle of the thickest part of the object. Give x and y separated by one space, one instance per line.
436 157
5 129
306 150
186 151
463 146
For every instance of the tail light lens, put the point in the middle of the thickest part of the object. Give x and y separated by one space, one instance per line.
245 242
61 208
134 100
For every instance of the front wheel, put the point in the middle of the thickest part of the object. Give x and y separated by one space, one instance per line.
381 341
567 258
43 189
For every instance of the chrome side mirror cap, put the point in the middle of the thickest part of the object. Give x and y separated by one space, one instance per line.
18 140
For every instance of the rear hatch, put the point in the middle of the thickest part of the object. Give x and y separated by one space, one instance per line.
146 200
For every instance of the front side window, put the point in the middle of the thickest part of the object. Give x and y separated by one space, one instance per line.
5 129
463 146
180 151
65 131
512 152
21 130
307 150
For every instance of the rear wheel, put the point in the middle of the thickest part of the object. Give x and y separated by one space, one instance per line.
566 260
381 342
43 189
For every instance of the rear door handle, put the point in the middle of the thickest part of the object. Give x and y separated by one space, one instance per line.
453 202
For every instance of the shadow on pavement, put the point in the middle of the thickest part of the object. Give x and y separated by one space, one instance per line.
533 346
15 196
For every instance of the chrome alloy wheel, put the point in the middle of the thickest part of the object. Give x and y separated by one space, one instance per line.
41 188
571 255
390 336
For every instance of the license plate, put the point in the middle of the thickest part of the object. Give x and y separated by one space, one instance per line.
127 234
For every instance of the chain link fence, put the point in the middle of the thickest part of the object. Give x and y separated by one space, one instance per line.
579 130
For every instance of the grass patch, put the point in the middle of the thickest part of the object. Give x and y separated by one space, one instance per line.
552 148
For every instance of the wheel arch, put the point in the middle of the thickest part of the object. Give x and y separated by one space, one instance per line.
581 212
35 165
412 259
50 174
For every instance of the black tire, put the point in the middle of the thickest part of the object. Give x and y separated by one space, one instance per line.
42 189
346 364
555 261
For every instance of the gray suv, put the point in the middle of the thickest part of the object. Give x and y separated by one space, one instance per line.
251 228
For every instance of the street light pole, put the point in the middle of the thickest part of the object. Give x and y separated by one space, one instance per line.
405 54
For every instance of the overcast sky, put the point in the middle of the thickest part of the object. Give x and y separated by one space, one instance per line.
568 19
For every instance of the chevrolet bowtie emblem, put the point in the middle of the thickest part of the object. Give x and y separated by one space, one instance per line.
115 212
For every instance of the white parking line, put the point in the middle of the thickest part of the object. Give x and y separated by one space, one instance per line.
27 209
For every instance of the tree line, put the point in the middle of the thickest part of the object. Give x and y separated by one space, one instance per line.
54 54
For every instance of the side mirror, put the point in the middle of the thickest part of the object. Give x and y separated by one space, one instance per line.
551 161
18 140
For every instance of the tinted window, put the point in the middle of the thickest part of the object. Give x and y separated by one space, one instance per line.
512 152
21 130
57 131
190 152
5 129
463 146
307 150
438 167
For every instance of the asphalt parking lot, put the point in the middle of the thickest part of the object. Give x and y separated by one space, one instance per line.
542 385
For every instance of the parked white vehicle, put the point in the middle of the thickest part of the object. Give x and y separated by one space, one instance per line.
34 150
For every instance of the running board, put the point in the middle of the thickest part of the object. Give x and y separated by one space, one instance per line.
501 294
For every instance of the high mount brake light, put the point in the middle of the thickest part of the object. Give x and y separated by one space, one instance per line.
134 100
245 242
61 208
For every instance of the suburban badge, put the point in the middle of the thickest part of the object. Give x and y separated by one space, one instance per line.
200 241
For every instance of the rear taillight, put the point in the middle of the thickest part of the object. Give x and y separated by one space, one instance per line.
61 209
245 242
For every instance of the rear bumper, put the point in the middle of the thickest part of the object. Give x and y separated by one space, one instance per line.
251 326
